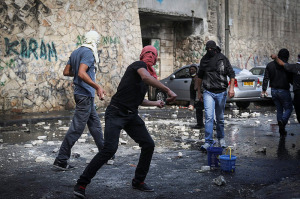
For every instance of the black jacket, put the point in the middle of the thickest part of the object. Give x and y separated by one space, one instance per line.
214 72
278 77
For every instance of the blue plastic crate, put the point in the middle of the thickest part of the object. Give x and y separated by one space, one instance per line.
213 154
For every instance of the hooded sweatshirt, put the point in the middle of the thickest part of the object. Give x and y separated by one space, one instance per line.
214 70
278 77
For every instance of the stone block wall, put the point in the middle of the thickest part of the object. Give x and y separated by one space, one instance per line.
37 37
259 28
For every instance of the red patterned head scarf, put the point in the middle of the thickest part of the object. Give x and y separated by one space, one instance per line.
149 58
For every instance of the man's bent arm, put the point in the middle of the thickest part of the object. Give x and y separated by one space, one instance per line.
68 71
279 61
148 79
86 78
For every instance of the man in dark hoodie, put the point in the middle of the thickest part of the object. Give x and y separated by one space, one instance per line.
213 72
295 70
280 89
122 113
193 103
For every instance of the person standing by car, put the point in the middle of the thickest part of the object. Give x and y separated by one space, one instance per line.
295 70
199 104
122 113
213 72
280 89
81 66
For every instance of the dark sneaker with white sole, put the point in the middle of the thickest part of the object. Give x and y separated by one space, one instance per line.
141 186
79 191
59 166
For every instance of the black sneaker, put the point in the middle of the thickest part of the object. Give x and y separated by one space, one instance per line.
141 186
79 191
59 166
282 130
198 126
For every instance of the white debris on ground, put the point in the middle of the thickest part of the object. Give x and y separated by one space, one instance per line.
179 154
219 181
63 128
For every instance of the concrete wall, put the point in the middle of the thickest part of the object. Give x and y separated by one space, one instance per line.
258 29
175 7
37 37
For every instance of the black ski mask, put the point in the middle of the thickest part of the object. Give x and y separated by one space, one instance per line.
211 48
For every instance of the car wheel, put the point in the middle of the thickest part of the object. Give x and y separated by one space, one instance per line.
160 95
242 105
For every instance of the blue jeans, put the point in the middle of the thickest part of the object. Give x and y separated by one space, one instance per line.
214 103
85 114
283 102
117 119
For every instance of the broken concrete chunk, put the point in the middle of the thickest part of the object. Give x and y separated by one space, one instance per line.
84 135
76 155
28 145
50 143
205 168
262 150
55 150
81 140
219 181
173 116
135 147
185 133
40 159
179 155
235 112
122 141
40 123
43 137
46 127
63 128
110 162
245 114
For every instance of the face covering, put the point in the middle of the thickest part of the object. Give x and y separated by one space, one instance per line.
149 59
92 39
211 53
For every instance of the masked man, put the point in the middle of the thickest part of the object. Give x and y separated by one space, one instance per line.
122 113
81 66
213 72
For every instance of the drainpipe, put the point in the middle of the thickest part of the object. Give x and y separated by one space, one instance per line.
193 22
226 29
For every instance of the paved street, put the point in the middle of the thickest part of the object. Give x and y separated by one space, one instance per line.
266 166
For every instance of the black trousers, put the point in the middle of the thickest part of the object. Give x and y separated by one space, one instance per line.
297 103
116 120
199 112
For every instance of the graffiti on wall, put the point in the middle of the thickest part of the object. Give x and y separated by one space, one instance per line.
31 48
250 61
160 1
156 44
104 40
4 65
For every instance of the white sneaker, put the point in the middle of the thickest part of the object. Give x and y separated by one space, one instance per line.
205 146
222 143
